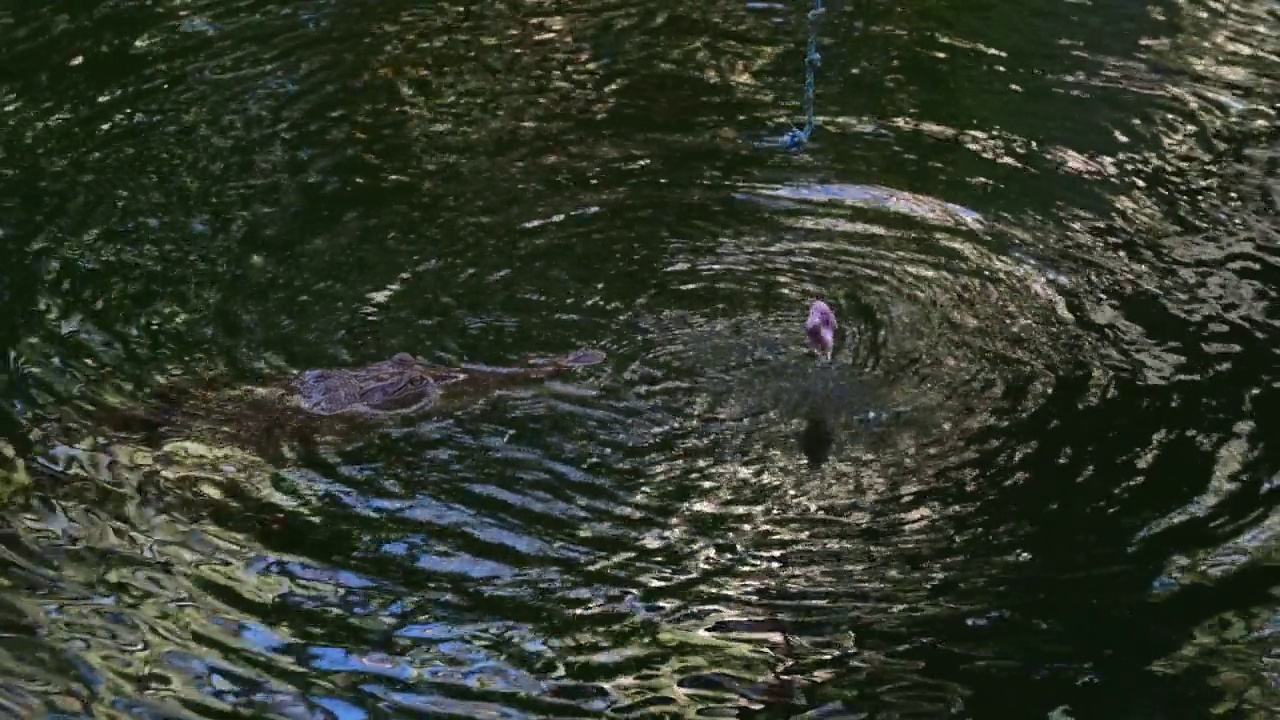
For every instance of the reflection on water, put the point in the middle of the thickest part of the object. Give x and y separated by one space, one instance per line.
1034 481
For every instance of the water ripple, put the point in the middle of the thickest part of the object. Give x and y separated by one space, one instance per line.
1038 473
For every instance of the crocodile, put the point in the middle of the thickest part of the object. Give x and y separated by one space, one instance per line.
328 401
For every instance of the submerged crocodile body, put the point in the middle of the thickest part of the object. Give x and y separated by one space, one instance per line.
329 401
406 384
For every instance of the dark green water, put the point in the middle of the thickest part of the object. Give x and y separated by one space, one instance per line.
1050 230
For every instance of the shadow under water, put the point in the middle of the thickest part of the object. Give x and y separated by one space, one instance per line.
816 440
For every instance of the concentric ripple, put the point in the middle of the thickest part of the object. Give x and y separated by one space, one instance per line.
941 314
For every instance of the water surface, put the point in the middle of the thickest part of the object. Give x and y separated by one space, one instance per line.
1035 482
